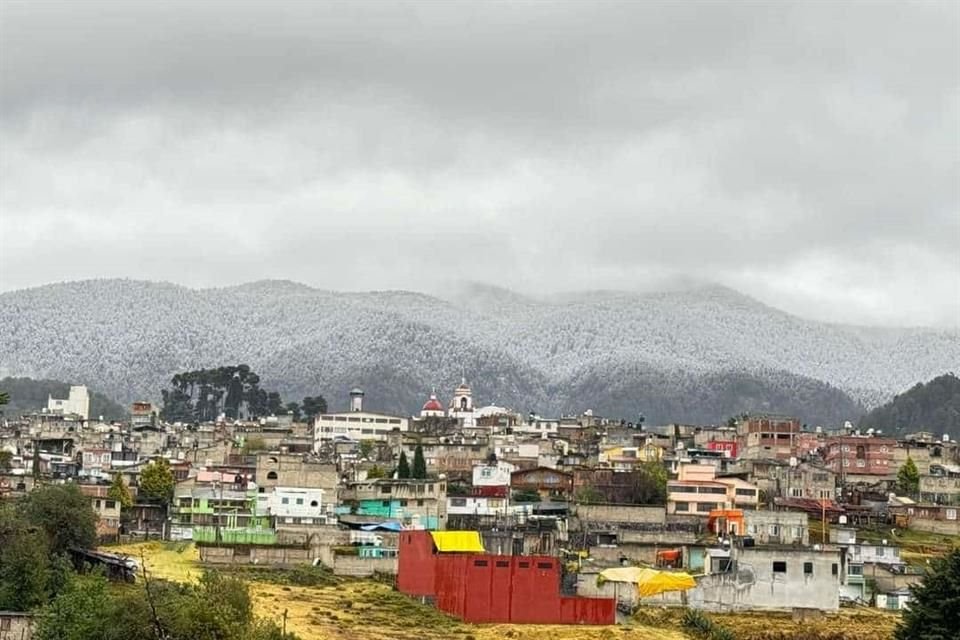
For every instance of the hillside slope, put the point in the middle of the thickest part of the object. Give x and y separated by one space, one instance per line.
27 394
932 406
695 355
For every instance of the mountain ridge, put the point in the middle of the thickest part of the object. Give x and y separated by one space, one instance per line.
614 352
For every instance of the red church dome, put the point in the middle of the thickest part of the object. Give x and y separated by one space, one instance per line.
432 404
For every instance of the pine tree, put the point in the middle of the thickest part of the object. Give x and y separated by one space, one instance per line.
419 464
933 613
403 467
120 492
908 478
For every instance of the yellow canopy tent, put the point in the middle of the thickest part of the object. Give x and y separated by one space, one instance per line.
457 541
650 582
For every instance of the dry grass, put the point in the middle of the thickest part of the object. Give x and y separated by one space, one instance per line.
368 610
847 624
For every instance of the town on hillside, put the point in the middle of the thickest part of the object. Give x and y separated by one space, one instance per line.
495 516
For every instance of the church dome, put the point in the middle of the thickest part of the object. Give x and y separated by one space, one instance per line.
432 404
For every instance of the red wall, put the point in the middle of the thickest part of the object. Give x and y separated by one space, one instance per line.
416 565
479 587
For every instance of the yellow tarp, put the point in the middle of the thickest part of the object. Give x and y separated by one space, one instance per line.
650 582
448 541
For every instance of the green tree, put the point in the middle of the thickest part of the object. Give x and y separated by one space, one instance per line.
366 448
650 484
6 460
313 406
294 410
403 467
4 398
908 478
120 492
376 471
254 444
934 612
77 613
419 470
64 514
157 481
24 562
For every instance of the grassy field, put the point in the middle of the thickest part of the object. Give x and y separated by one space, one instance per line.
847 624
367 610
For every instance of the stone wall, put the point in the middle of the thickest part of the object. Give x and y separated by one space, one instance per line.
621 513
363 567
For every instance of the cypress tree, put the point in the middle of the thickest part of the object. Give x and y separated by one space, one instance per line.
403 467
419 464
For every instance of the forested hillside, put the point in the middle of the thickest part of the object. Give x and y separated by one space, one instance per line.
693 355
27 394
931 406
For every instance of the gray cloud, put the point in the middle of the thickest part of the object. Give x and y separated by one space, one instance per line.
807 154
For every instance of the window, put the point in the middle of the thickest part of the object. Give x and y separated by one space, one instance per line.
524 565
271 475
385 503
750 493
808 568
385 488
313 503
855 570
284 500
111 504
774 530
479 563
683 506
502 563
544 565
430 488
834 569
779 566
299 500
419 503
458 502
879 552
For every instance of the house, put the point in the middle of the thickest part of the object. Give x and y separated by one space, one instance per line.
860 458
106 508
808 480
416 503
292 505
777 527
204 512
77 403
941 485
493 474
758 578
549 483
768 436
698 491
482 501
16 625
627 458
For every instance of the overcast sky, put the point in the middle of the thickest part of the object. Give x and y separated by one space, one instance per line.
807 155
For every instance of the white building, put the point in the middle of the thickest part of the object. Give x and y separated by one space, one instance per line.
356 424
292 505
77 402
496 474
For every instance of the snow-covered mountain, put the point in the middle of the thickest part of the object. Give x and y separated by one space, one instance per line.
698 354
